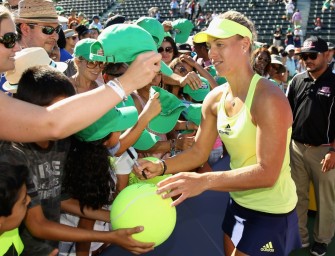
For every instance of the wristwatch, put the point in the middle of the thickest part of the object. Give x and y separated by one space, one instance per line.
331 149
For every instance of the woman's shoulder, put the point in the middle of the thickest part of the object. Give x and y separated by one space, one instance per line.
268 94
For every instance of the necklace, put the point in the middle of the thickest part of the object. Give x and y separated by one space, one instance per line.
80 89
233 102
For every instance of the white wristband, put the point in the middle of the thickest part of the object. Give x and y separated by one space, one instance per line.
117 87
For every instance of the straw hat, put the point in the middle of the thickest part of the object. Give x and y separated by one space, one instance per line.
26 58
36 11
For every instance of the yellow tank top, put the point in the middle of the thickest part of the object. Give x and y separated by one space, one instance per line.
238 134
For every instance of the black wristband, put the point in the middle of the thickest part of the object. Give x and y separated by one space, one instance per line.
331 149
164 167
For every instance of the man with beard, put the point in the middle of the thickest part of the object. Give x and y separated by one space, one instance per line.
311 95
37 24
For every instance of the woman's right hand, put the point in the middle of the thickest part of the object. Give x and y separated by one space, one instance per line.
151 169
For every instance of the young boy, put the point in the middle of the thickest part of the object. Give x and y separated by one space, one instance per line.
13 206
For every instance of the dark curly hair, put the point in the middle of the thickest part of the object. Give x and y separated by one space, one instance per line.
87 176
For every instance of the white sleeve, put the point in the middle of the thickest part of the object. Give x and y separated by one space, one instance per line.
124 164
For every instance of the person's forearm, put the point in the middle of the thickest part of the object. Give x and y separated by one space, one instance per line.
185 161
50 230
245 178
174 79
27 122
72 206
130 136
204 73
159 147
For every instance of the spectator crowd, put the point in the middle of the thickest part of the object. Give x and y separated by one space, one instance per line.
58 184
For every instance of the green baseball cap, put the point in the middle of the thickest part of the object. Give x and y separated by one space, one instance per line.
199 94
219 79
123 43
193 113
146 140
183 28
117 119
83 48
169 115
154 27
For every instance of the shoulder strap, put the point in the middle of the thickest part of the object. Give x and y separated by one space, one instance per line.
251 91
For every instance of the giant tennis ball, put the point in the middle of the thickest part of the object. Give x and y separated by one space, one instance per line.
133 178
139 205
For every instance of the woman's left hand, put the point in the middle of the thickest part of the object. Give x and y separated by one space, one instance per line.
185 184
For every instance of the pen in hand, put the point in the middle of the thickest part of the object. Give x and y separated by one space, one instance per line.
136 163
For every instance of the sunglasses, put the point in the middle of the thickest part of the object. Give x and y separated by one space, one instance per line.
48 30
115 75
311 55
166 49
73 37
93 64
9 40
182 69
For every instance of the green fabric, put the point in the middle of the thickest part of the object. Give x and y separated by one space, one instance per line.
200 93
183 28
123 43
82 48
115 120
9 238
169 115
154 27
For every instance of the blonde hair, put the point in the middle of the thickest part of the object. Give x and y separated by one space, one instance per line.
243 20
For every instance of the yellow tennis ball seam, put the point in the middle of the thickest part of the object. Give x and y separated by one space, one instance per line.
131 203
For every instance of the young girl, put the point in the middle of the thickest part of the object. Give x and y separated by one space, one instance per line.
90 175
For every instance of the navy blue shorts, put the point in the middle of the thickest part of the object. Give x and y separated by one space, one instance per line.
258 233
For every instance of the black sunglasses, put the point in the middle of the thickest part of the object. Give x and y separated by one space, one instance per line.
166 49
311 55
9 40
48 30
115 75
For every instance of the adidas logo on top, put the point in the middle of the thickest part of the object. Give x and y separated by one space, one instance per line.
268 248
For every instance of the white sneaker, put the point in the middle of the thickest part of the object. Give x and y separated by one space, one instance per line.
305 244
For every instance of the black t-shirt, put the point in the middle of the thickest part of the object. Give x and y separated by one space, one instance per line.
43 184
313 108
